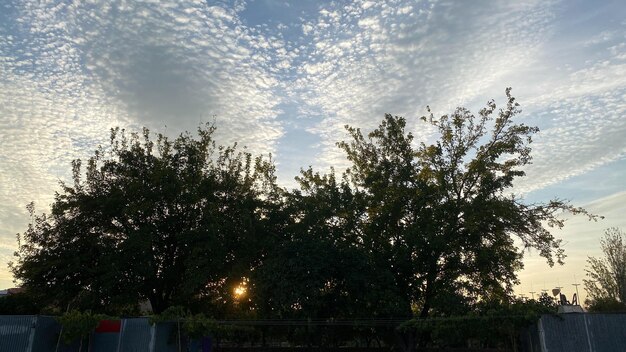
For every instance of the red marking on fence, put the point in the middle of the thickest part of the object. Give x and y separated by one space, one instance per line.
109 326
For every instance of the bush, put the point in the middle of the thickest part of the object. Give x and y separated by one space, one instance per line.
605 305
78 325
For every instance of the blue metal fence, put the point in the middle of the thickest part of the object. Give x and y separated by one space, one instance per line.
46 335
28 333
566 332
17 333
137 335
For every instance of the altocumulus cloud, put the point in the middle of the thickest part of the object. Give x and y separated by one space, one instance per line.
398 56
367 58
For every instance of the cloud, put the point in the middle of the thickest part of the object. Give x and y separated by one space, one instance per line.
582 117
377 60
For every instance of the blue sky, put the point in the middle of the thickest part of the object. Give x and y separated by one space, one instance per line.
283 77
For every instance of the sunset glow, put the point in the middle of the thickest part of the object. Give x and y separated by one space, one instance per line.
239 291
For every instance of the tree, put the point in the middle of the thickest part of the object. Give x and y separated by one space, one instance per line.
21 303
607 276
170 221
441 217
314 269
428 229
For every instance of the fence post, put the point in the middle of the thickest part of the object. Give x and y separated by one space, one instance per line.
31 337
119 338
152 344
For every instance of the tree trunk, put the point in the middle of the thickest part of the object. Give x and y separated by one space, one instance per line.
157 303
424 338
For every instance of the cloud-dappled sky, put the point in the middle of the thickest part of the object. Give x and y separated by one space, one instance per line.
286 76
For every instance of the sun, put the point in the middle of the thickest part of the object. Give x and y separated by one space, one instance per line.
239 291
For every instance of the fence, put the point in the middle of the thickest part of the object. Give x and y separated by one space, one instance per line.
565 332
577 332
42 334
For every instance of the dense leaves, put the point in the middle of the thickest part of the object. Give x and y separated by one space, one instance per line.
441 217
20 303
168 221
409 229
318 269
78 325
491 323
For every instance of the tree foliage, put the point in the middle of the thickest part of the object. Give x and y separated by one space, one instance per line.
607 276
20 303
78 325
441 217
165 220
493 323
408 229
316 270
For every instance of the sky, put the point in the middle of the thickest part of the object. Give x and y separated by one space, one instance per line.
284 77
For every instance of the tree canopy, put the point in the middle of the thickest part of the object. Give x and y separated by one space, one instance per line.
165 220
441 218
409 229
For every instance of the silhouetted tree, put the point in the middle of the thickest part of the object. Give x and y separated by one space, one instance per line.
167 220
441 217
318 269
409 229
